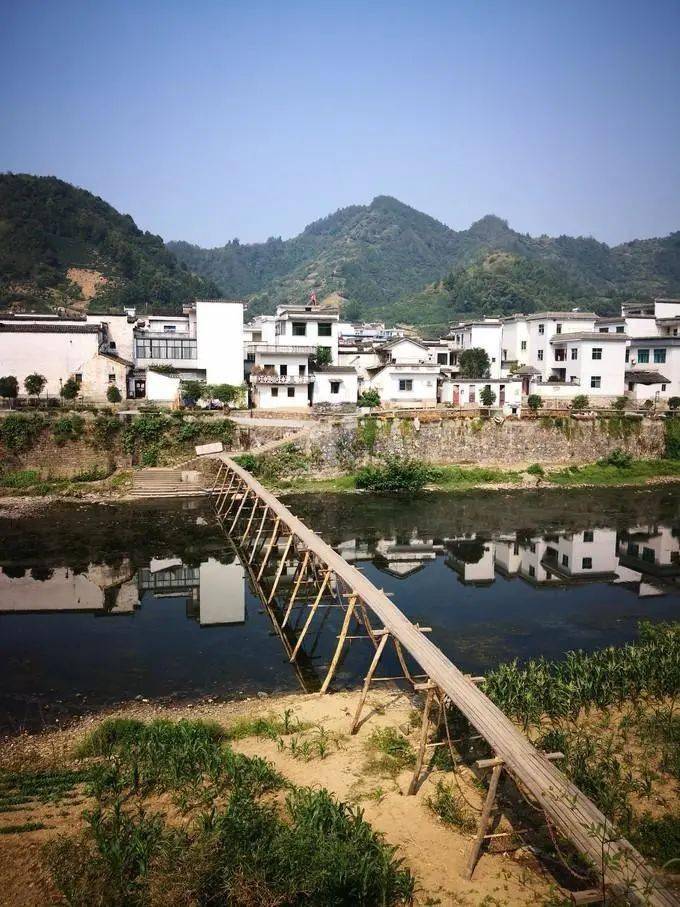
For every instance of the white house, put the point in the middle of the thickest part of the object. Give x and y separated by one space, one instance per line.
335 385
466 392
514 341
483 334
403 350
308 326
405 384
653 368
592 361
60 349
280 376
541 326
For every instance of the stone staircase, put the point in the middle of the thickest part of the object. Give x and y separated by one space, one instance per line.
159 482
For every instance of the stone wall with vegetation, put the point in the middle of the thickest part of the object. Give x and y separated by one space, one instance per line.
483 441
68 444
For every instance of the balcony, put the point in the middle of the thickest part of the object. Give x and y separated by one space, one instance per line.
274 348
265 378
143 334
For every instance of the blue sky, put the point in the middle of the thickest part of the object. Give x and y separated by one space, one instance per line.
212 120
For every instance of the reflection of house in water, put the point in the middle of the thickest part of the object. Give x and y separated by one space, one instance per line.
101 588
472 558
403 558
214 592
643 561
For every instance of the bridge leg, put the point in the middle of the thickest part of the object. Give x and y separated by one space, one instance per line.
239 487
224 492
218 476
267 554
341 642
279 571
240 508
298 580
265 512
250 520
369 676
310 616
484 821
424 728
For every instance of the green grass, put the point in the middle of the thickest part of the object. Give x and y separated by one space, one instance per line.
20 829
599 474
659 839
269 726
19 789
448 804
238 846
455 477
389 753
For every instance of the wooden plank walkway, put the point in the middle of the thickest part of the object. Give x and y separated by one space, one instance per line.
565 806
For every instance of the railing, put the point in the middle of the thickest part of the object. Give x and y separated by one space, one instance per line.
263 378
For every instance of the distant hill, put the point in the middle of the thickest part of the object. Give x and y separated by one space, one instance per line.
389 260
63 246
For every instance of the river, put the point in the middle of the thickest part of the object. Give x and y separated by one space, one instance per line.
103 604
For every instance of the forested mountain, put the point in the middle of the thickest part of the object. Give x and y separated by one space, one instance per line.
389 260
63 246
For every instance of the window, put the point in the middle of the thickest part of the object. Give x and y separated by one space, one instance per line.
574 352
663 387
504 355
532 548
291 391
532 571
604 330
335 387
523 345
587 563
257 336
643 355
172 348
588 535
627 354
405 384
112 344
302 370
283 370
659 356
648 555
275 392
565 560
620 328
541 329
169 328
441 358
558 328
471 394
112 378
79 378
325 329
540 355
596 381
299 329
597 352
633 549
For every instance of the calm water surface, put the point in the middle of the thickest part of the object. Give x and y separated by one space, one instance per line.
103 604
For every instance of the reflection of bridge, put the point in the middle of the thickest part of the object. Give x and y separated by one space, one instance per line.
281 553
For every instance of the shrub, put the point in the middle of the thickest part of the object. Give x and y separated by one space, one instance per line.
68 428
396 474
673 403
536 470
19 433
248 462
474 363
672 439
620 403
619 458
323 356
487 396
534 402
369 397
580 402
70 389
150 455
192 391
105 428
113 395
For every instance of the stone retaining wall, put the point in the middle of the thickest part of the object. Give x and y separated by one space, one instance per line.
515 442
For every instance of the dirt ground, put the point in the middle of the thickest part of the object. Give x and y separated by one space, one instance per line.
436 853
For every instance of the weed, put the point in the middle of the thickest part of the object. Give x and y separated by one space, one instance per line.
20 829
448 804
390 752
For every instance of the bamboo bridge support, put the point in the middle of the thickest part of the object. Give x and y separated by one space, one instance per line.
274 545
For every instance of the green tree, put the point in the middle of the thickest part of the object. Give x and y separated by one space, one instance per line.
192 391
225 393
673 403
35 384
580 402
70 389
323 356
9 387
534 402
113 395
352 310
370 397
474 363
487 396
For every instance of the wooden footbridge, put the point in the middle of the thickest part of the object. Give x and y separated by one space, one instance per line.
280 553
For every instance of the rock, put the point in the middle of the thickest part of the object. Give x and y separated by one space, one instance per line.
262 695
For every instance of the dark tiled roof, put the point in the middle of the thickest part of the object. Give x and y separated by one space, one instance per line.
588 335
49 328
336 369
118 359
641 376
